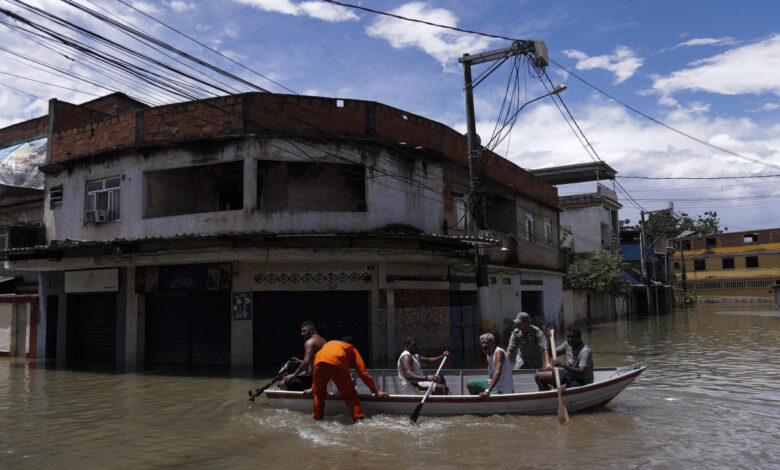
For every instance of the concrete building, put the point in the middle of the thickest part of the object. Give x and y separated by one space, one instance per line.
729 266
205 232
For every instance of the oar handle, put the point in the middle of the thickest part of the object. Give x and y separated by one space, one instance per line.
428 392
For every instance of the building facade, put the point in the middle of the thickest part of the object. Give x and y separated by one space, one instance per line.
729 265
204 233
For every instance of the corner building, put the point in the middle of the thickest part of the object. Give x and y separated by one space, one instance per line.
205 232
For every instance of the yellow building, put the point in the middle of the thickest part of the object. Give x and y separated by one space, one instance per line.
740 264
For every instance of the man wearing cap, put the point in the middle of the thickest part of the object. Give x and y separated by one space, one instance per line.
530 344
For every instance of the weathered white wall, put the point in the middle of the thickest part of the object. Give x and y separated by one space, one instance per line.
603 308
6 326
396 192
585 224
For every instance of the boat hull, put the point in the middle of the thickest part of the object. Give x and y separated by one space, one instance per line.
529 403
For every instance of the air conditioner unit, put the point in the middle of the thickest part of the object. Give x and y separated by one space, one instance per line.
95 217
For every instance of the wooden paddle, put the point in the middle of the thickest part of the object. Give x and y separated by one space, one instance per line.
416 414
563 415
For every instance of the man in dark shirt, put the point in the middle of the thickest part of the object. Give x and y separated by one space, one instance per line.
577 365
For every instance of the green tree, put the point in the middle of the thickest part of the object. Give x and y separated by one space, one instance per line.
667 224
598 270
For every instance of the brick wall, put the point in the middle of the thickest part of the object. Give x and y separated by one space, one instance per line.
114 103
318 118
24 131
424 314
68 115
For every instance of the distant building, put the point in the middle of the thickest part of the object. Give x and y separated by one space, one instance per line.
205 232
729 265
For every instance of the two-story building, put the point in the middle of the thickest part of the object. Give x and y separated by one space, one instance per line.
729 265
205 232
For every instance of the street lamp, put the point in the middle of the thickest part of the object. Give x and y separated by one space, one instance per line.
557 90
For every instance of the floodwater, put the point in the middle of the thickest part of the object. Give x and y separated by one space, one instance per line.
709 399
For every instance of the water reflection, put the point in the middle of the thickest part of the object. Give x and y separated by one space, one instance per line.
710 398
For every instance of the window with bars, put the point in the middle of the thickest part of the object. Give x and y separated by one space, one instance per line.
728 263
699 265
751 261
548 230
102 201
55 197
529 227
462 216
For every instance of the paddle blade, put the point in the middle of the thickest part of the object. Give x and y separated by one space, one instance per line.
416 414
563 415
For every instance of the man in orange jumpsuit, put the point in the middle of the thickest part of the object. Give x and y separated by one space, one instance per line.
333 362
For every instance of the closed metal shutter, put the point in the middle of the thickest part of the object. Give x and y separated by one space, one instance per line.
210 328
188 328
464 329
93 320
167 328
278 317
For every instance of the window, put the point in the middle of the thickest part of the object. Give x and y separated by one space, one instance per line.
751 238
728 263
711 242
2 237
194 190
300 187
699 265
686 244
529 227
102 202
751 261
676 265
55 197
548 230
461 208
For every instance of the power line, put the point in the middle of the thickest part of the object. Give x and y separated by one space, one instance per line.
697 177
415 20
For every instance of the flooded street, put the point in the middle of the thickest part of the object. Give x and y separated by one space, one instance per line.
710 399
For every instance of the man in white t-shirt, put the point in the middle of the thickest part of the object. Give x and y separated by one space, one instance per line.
410 373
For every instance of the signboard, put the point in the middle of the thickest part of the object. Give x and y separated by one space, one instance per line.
183 278
241 305
95 280
19 164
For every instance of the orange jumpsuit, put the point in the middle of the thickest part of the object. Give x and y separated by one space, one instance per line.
333 362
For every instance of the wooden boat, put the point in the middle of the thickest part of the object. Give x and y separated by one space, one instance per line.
527 400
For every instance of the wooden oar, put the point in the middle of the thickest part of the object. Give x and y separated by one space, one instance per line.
416 414
259 391
563 415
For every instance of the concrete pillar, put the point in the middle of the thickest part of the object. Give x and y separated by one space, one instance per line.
241 340
131 321
20 329
390 321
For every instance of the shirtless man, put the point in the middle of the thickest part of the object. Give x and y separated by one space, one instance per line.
301 379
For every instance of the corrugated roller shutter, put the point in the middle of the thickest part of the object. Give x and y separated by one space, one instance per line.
278 317
167 328
210 333
94 328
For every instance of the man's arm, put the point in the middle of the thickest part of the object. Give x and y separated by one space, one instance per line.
360 367
406 366
500 358
512 346
543 345
580 366
433 360
308 358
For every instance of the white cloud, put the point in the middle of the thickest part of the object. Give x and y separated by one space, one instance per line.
146 7
230 32
635 146
766 107
318 10
750 69
623 62
444 45
724 41
179 6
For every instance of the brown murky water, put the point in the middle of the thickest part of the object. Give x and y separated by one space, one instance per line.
710 399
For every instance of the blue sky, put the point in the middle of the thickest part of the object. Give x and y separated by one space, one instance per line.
709 69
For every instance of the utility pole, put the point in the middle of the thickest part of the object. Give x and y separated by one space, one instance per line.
538 50
643 256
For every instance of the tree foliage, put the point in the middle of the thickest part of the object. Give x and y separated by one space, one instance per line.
667 224
597 270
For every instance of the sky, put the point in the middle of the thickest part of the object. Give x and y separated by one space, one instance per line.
707 69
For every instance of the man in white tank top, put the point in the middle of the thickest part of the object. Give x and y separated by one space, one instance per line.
412 379
499 370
